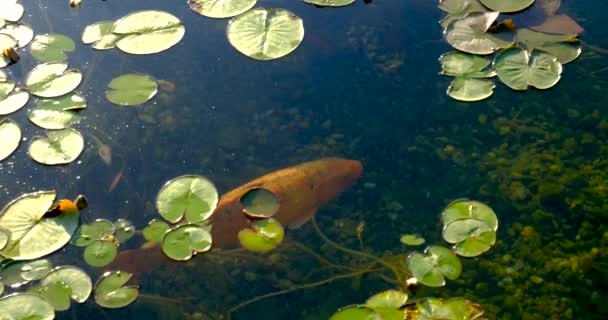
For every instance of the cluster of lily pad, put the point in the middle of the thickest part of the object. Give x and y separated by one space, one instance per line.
35 225
522 57
101 239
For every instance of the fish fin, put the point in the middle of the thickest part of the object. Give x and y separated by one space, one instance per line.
300 222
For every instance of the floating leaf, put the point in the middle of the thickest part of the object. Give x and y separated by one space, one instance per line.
472 237
457 9
468 69
73 282
100 35
100 253
190 195
431 267
464 208
265 235
220 8
20 32
260 203
32 234
355 313
330 3
57 113
10 136
12 275
507 5
393 299
147 32
23 306
97 230
61 147
470 34
50 80
182 242
564 47
131 89
411 239
11 10
51 47
518 69
36 270
155 230
110 293
54 293
266 34
14 101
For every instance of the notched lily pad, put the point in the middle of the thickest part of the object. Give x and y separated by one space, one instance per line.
57 113
565 48
155 230
60 147
100 35
100 253
465 208
148 32
51 47
110 291
192 196
50 80
263 236
259 203
131 89
20 32
431 267
184 241
517 68
220 8
470 34
471 72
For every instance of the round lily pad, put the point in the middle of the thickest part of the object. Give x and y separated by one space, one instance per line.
564 47
35 270
100 253
54 293
75 280
61 147
14 101
330 3
20 32
517 68
182 242
190 195
431 267
11 10
266 34
411 239
457 9
470 71
100 35
110 293
471 237
263 236
124 230
470 34
355 312
131 89
57 113
394 299
10 136
464 208
50 80
220 8
32 235
470 89
507 5
97 230
21 306
260 203
147 32
155 230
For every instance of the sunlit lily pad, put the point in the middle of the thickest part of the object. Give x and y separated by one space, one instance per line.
266 34
100 253
31 234
14 101
184 241
25 306
51 47
517 68
96 230
147 32
464 208
263 236
470 34
3 238
50 80
53 293
470 71
131 89
471 237
431 267
259 203
459 308
411 239
36 270
507 5
457 9
11 10
330 3
194 197
388 304
77 283
100 35
20 32
155 230
124 230
57 113
110 293
61 147
220 8
355 312
10 136
564 47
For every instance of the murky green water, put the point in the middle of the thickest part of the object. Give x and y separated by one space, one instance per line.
363 85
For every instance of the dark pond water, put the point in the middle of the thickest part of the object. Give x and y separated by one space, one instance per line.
363 85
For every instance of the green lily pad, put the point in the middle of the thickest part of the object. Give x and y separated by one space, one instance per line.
457 309
478 242
97 230
11 10
51 47
464 208
54 293
263 236
100 253
77 283
266 34
6 41
194 197
220 8
411 240
507 5
457 9
469 69
147 32
50 80
110 293
10 136
184 241
260 203
518 69
32 234
393 299
14 101
57 113
36 270
20 32
355 312
12 275
431 267
564 47
131 89
470 89
470 34
462 229
124 230
25 306
155 230
61 147
100 35
330 3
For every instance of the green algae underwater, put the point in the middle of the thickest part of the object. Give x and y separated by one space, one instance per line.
360 85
